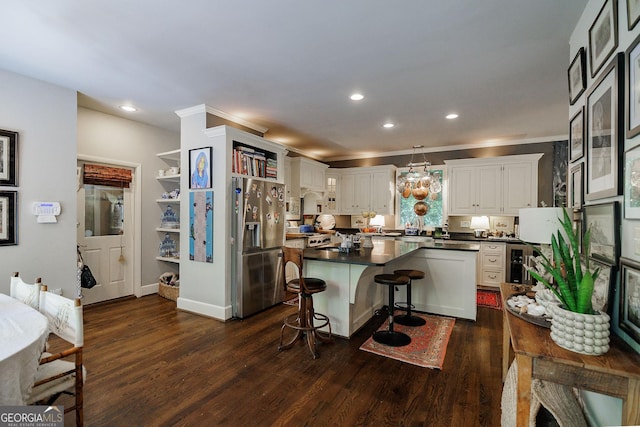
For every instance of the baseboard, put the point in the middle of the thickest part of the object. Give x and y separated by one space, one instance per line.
208 310
148 289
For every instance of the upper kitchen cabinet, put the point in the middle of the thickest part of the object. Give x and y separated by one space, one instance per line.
355 189
307 175
367 189
331 199
474 189
493 186
291 192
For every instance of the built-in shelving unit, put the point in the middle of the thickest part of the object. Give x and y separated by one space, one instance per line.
253 161
169 240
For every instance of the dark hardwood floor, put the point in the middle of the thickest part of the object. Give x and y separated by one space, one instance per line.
150 364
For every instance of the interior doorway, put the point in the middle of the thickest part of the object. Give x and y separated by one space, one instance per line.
106 233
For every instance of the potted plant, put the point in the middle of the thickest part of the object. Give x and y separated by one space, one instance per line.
574 324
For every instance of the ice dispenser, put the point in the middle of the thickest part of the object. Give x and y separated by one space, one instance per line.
252 235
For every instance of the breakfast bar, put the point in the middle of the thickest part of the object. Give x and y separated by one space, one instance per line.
351 298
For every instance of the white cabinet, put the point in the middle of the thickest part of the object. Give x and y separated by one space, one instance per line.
331 199
474 189
292 191
492 263
307 174
493 186
519 182
355 193
383 192
367 189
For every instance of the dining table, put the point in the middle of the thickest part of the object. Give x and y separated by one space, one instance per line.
23 333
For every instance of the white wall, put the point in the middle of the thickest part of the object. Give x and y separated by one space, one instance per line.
109 137
605 410
45 117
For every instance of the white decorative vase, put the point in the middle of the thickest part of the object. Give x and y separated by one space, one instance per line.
580 333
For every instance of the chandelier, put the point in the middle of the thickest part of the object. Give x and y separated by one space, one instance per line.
419 182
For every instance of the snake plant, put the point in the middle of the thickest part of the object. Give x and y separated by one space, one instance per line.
572 285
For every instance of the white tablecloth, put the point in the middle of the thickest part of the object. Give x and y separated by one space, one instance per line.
23 332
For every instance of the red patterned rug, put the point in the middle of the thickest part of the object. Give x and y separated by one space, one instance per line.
491 299
428 343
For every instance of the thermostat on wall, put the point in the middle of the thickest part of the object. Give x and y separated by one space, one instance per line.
46 211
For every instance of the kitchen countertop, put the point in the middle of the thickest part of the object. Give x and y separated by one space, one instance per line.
382 252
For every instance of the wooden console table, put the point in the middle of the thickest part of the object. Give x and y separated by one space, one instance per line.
616 373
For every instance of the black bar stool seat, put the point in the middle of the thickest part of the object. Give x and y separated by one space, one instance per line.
390 337
409 319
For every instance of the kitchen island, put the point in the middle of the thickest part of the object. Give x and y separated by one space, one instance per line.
352 296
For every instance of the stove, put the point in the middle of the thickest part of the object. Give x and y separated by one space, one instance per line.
317 240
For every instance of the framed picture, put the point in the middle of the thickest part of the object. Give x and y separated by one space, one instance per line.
604 224
604 133
201 226
603 36
200 168
602 286
576 136
632 183
577 76
8 218
8 157
633 13
629 317
632 94
575 186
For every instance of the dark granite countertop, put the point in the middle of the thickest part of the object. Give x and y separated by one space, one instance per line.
383 252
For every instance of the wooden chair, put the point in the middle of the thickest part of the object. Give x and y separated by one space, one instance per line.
25 292
303 322
55 375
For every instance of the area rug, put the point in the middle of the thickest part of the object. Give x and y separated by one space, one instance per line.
491 299
428 343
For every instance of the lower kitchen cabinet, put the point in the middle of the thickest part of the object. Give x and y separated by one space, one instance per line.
492 264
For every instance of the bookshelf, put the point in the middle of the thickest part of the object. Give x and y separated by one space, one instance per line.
253 161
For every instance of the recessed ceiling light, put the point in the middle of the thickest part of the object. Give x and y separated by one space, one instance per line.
357 97
388 125
452 116
128 108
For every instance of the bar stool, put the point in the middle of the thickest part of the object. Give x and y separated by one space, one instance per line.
390 337
409 319
303 322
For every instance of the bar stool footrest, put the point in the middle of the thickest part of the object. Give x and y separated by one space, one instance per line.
403 305
293 321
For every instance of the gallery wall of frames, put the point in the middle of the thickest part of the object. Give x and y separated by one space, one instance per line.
8 179
604 156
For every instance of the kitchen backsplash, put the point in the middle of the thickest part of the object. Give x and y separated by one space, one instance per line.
460 224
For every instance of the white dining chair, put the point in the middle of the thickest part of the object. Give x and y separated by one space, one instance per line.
55 375
28 293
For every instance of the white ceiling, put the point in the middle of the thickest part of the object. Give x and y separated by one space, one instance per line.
290 65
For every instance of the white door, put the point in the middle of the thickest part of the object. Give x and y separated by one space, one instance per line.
105 238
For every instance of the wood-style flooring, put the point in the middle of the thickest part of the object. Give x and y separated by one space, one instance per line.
151 365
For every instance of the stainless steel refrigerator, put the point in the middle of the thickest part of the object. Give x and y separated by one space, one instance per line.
258 234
